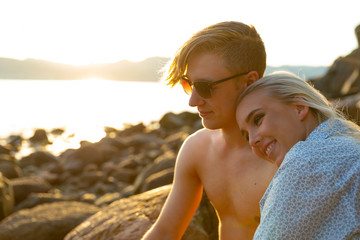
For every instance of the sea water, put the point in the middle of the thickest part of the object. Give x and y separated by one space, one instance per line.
84 107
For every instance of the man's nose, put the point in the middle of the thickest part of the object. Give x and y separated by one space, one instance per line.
195 99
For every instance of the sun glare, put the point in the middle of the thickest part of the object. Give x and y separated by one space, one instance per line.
106 32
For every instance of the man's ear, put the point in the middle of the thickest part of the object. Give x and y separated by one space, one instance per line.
252 77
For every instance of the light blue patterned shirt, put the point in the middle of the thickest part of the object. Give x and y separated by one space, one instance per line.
315 194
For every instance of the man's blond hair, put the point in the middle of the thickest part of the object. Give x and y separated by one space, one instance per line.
240 46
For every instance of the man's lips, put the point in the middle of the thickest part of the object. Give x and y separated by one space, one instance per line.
204 113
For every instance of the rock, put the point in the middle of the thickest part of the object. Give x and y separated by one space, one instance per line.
116 142
75 160
49 177
14 141
204 224
4 150
129 218
343 77
40 137
7 201
174 141
26 185
132 129
35 199
124 175
57 131
107 151
73 165
133 161
37 159
342 82
9 169
171 121
90 178
107 198
46 221
158 179
163 162
189 118
88 197
120 165
144 141
350 106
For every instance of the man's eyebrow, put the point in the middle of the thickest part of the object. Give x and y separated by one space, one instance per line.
202 79
251 114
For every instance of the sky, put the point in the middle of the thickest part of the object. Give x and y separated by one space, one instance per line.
81 32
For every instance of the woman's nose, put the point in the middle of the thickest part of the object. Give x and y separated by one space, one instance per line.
254 140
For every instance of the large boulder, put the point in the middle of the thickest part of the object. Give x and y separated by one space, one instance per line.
342 78
129 218
342 82
47 221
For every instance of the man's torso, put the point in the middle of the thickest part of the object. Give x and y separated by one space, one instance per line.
234 180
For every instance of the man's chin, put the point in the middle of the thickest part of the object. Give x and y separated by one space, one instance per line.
209 125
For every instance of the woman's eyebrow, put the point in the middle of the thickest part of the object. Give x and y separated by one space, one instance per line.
249 116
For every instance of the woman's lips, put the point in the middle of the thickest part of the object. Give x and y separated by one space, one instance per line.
268 149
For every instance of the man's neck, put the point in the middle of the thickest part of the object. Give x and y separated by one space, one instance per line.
233 137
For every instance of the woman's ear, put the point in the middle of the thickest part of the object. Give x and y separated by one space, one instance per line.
302 109
252 77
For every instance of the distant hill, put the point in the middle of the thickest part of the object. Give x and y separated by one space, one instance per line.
147 70
305 72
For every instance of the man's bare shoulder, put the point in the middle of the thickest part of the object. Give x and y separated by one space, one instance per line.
202 138
197 145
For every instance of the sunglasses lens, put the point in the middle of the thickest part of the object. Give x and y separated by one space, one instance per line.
203 89
186 86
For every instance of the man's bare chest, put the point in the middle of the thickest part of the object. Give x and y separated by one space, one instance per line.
235 186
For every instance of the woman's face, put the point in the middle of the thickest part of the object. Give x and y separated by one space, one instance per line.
272 127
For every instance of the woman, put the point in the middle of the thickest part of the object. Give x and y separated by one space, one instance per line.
315 193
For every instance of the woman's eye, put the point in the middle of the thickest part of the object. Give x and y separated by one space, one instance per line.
258 118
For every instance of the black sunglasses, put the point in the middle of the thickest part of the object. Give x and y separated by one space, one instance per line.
204 88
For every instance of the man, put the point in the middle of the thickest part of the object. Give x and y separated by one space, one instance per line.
214 66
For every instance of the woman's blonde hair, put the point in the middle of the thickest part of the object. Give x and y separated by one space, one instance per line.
288 87
240 46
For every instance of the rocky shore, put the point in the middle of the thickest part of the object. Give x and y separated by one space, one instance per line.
115 188
111 189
